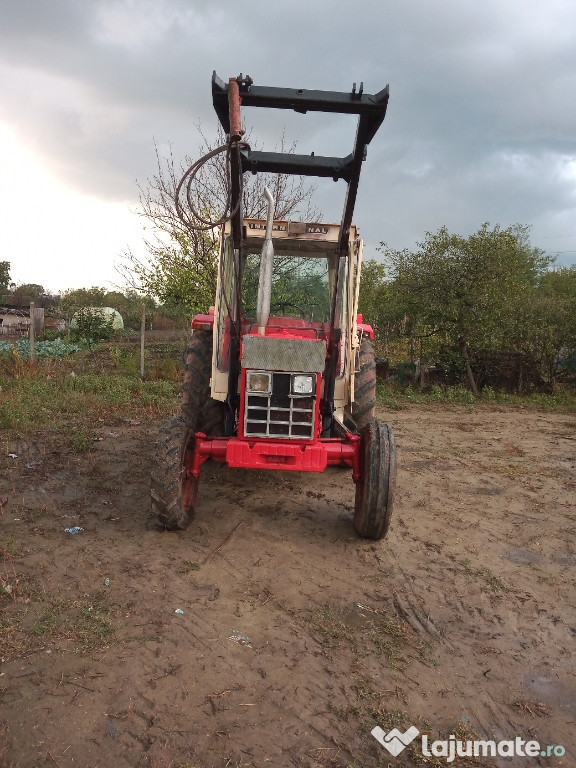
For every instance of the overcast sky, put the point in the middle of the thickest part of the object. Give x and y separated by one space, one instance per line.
481 124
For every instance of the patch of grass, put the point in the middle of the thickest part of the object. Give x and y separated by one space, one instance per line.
549 578
461 732
399 397
46 623
11 546
81 440
532 707
19 588
394 397
81 626
485 574
329 624
388 397
53 617
32 402
392 650
167 369
185 765
125 357
188 565
371 708
93 626
386 637
13 641
449 395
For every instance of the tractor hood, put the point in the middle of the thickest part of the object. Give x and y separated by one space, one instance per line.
283 353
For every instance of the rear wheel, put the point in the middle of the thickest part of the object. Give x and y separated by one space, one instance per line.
361 412
173 491
375 488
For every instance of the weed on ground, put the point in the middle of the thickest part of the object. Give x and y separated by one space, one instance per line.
394 398
58 396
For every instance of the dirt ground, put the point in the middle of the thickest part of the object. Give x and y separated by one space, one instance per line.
268 634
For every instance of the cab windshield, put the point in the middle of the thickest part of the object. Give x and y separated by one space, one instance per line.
303 284
300 286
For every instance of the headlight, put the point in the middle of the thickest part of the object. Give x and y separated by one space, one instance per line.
259 382
302 384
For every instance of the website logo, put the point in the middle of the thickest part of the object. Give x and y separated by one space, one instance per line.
394 741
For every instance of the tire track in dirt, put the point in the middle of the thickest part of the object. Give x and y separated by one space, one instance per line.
463 617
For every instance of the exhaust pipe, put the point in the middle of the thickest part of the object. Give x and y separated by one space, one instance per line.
266 265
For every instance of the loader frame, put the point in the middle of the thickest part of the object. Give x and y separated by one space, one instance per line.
241 91
228 98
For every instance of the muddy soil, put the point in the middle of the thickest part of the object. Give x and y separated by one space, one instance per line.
268 634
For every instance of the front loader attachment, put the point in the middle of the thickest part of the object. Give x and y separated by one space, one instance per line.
371 109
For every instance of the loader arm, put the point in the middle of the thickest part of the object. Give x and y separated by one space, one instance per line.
371 109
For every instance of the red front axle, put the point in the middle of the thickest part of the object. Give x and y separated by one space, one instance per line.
267 454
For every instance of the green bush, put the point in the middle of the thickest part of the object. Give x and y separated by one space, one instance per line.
91 326
48 335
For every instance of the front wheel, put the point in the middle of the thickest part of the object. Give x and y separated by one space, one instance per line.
375 488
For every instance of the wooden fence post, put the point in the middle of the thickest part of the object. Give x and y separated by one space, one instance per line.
32 335
142 340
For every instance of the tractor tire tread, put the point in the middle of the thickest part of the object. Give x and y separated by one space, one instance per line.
200 413
363 408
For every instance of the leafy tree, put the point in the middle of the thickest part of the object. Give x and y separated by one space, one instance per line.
22 295
299 286
129 304
181 275
74 299
4 277
376 302
467 291
28 292
552 315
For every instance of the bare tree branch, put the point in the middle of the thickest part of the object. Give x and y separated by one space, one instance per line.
176 247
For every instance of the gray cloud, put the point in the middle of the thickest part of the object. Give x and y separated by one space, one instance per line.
480 124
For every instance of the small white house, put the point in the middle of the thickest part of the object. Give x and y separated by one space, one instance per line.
16 322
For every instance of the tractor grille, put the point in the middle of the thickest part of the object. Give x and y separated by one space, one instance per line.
279 414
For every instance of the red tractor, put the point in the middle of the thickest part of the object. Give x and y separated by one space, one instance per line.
280 374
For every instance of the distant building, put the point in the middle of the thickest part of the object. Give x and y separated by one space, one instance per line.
16 322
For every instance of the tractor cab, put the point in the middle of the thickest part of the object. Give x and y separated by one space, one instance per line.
307 278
